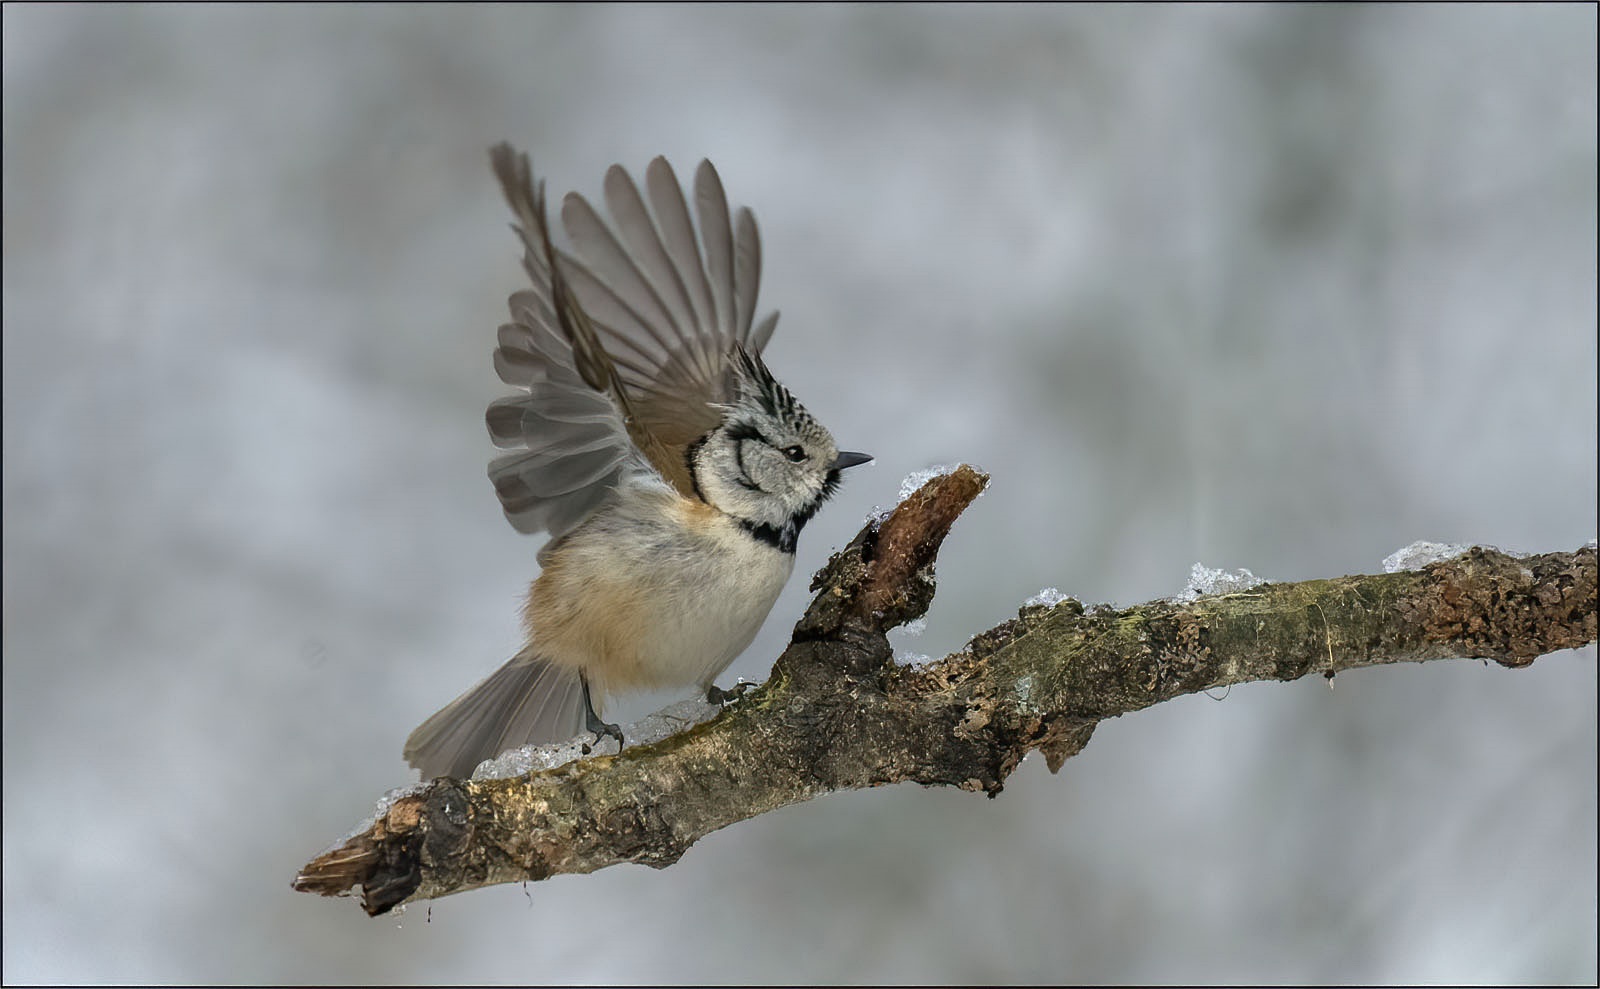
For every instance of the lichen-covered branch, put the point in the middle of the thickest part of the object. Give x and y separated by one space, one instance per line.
838 713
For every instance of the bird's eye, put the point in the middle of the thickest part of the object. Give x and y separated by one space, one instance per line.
794 453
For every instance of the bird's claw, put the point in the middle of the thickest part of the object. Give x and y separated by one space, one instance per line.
591 721
601 730
716 695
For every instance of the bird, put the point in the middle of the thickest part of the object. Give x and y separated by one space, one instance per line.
670 469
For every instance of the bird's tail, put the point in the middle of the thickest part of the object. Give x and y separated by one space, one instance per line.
527 701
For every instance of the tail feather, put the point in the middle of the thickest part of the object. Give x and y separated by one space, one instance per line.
527 701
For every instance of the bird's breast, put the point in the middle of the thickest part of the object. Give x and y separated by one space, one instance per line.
657 592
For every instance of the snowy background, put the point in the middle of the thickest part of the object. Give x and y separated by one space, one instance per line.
1266 287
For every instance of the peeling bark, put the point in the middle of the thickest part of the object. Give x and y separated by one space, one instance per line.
838 713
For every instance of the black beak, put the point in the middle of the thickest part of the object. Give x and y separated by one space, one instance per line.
848 459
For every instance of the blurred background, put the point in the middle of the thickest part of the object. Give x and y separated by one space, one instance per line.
1283 288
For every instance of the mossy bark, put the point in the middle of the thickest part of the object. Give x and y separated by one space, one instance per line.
838 713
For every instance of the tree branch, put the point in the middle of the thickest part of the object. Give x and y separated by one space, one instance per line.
838 713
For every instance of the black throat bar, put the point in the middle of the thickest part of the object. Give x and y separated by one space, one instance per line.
781 538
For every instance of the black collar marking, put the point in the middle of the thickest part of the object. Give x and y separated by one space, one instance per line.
781 538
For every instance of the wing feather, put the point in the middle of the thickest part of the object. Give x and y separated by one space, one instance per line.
643 242
763 332
677 235
533 334
549 474
625 327
717 235
746 273
625 284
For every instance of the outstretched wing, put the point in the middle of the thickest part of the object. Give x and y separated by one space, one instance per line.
569 445
568 429
669 307
622 357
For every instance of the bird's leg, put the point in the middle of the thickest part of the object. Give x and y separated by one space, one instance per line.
716 695
592 721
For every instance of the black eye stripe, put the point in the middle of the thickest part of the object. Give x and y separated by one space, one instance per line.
741 431
745 480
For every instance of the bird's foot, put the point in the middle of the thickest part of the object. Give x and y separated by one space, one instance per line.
601 730
716 695
592 721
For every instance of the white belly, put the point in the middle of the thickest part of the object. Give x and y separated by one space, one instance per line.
715 610
654 598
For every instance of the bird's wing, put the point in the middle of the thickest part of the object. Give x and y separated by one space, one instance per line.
626 352
567 431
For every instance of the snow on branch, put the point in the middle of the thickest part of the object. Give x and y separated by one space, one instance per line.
839 713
